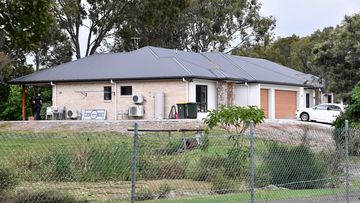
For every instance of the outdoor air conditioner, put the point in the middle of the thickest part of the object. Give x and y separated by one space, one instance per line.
136 110
71 114
138 98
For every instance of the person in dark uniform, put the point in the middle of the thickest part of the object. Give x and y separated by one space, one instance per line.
37 101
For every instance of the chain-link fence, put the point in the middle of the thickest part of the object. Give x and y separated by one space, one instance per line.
291 166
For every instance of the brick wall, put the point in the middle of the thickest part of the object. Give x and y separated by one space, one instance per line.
79 96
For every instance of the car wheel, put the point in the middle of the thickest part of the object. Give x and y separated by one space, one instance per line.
304 117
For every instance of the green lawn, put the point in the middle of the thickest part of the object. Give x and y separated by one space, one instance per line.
259 196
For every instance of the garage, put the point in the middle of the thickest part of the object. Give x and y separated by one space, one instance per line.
264 101
285 104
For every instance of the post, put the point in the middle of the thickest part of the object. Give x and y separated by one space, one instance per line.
133 172
23 102
252 161
347 160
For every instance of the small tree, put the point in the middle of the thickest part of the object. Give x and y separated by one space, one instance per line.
234 118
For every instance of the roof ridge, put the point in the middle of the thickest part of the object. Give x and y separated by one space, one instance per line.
149 48
236 65
271 69
219 69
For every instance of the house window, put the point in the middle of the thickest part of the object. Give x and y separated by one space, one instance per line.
329 98
107 93
201 98
125 90
307 100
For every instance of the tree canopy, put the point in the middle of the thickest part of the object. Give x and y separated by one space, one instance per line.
332 54
195 25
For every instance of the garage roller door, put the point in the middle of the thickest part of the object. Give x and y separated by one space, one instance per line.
264 102
285 104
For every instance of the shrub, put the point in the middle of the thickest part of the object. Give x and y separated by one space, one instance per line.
262 177
144 194
62 168
332 158
208 168
45 197
174 146
8 179
205 143
164 190
222 185
33 167
111 162
237 162
294 167
151 169
352 114
237 117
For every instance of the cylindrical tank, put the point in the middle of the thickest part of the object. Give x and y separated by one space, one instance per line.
159 105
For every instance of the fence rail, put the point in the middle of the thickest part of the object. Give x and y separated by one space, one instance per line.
183 167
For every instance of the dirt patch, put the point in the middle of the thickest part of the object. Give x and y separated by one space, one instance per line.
109 191
319 137
288 132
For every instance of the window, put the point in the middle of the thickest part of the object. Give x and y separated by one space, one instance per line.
329 98
201 98
125 90
307 100
322 107
334 108
107 93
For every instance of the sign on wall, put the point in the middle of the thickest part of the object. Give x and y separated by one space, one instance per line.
93 114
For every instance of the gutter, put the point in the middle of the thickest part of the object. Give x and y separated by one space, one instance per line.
54 93
115 99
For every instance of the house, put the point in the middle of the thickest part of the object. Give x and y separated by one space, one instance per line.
160 78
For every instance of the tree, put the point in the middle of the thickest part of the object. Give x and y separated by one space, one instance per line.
164 28
294 51
55 49
234 117
338 57
12 108
196 25
214 24
24 22
352 114
98 16
23 25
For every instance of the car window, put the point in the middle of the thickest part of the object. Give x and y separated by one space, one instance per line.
334 108
322 107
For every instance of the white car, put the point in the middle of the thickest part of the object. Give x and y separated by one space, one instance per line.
326 113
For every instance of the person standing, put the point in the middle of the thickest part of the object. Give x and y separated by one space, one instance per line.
37 101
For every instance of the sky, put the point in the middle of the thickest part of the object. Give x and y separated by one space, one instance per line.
303 17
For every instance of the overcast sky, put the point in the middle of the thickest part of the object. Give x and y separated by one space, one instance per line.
303 17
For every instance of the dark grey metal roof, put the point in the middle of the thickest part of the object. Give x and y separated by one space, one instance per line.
159 63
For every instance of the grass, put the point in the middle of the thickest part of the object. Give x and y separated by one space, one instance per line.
259 196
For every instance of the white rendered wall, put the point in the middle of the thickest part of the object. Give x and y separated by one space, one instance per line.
247 95
211 97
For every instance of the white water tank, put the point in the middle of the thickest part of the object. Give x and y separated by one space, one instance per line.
159 105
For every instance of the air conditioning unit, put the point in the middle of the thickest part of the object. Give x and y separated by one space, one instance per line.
71 114
138 98
136 110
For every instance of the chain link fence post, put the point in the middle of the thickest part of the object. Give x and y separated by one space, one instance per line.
252 161
133 171
347 160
